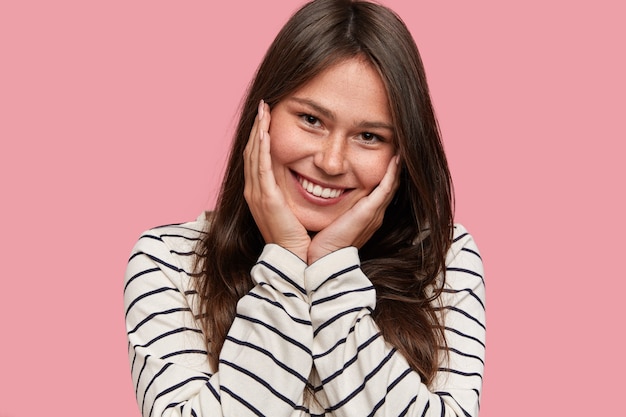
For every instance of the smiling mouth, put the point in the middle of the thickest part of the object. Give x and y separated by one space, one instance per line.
319 191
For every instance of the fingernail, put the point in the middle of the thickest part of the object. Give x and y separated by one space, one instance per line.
261 109
397 159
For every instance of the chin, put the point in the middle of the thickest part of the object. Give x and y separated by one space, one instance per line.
314 225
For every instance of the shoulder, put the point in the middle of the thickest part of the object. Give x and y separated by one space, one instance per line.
464 264
464 251
178 239
165 255
179 236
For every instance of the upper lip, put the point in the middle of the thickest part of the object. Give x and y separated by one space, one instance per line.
320 183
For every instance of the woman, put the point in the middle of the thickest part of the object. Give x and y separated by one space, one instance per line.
329 280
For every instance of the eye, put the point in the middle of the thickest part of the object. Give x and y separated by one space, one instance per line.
369 137
310 120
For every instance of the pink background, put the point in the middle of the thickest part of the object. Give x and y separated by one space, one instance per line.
116 116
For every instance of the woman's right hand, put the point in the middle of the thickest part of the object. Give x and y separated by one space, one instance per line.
272 215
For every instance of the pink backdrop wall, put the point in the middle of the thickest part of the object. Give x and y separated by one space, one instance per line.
115 116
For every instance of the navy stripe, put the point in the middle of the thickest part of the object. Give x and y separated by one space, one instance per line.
406 409
173 388
351 361
341 294
398 379
185 352
132 365
161 262
150 237
166 334
339 342
166 264
138 274
467 355
192 239
447 394
466 271
455 371
443 407
283 276
461 236
336 275
389 388
286 294
335 346
468 290
466 314
216 394
276 331
148 294
464 335
362 386
180 226
145 361
153 315
145 392
269 355
173 225
280 306
188 253
472 251
338 316
261 381
242 401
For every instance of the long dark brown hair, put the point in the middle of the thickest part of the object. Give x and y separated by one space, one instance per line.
405 258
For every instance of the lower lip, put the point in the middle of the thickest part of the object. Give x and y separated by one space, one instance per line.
320 201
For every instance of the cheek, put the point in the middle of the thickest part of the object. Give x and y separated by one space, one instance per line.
284 154
282 144
372 170
279 151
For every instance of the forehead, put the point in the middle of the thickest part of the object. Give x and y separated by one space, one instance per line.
351 88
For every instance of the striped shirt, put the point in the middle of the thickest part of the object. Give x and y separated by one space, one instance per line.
299 325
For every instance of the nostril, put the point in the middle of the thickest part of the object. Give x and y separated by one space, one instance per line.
332 160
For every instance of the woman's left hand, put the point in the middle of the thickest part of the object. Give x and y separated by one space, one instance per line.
356 226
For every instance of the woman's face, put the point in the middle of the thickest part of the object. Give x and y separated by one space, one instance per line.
331 142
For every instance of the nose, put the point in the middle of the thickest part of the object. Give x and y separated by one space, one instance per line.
331 156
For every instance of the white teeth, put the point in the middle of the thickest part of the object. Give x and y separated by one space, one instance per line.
318 190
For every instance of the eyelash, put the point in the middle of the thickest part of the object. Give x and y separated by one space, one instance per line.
373 136
311 120
307 118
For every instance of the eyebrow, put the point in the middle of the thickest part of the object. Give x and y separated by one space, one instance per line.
329 114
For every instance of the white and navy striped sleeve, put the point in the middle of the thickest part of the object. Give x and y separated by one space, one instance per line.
265 360
363 375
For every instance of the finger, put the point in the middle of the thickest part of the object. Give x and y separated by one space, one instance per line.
253 134
382 195
266 174
391 180
264 116
251 160
260 132
371 209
